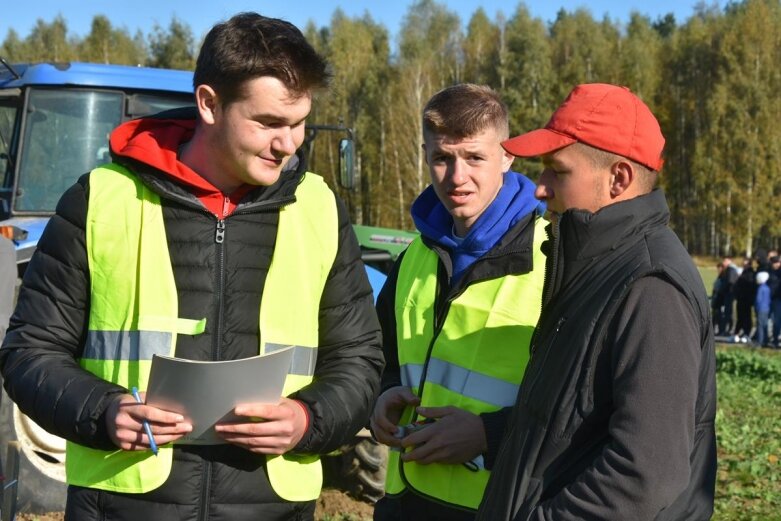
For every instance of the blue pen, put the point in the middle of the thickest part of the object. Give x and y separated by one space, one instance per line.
147 428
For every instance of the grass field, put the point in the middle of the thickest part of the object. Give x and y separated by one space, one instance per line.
748 430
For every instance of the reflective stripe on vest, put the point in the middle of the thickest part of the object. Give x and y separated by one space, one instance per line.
476 362
142 345
134 314
482 387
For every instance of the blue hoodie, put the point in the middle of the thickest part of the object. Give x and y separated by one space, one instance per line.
514 201
762 300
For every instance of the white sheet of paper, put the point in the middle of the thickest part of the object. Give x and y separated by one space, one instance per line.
205 393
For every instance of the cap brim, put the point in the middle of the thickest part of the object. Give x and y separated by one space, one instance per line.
536 143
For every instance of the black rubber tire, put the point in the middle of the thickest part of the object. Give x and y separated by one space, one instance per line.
359 470
37 493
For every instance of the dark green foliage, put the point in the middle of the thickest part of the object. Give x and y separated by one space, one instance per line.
748 363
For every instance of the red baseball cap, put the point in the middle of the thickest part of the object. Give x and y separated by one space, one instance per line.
604 116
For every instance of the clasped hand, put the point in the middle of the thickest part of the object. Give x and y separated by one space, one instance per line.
456 435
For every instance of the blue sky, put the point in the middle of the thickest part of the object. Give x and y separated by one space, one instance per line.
144 14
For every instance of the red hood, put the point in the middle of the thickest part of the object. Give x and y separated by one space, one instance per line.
155 142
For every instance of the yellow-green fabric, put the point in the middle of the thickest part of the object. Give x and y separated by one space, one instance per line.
134 314
306 247
476 362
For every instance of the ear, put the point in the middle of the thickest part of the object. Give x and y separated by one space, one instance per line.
507 160
207 102
425 153
622 176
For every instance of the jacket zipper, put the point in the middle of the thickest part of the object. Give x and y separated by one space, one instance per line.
219 241
538 370
203 511
549 280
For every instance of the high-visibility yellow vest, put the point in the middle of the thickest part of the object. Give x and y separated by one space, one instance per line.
134 314
476 362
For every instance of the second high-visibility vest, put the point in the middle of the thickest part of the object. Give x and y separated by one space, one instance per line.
475 362
134 314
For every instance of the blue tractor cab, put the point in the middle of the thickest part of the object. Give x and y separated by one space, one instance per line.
55 119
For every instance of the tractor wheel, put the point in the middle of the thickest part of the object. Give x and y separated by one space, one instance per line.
359 470
41 487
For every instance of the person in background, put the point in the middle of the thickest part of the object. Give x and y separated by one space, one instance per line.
457 312
207 239
615 415
762 304
774 283
763 260
717 299
728 275
745 292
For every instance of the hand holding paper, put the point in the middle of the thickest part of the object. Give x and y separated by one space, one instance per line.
279 429
207 393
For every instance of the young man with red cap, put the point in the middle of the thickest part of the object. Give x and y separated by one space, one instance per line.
615 416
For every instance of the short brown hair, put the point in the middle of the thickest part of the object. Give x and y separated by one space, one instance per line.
250 46
464 110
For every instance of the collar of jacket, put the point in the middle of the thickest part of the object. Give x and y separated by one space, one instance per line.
279 194
512 255
585 236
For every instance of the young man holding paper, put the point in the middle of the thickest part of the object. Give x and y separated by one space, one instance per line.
207 239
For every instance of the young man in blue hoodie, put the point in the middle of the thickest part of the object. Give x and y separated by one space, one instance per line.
457 312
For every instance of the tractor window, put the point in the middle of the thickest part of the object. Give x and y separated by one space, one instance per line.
144 104
8 109
65 135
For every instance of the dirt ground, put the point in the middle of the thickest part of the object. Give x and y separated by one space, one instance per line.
333 505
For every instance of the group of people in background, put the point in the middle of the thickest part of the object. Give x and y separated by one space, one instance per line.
750 293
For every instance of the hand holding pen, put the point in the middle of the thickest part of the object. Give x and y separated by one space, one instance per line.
133 425
147 428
